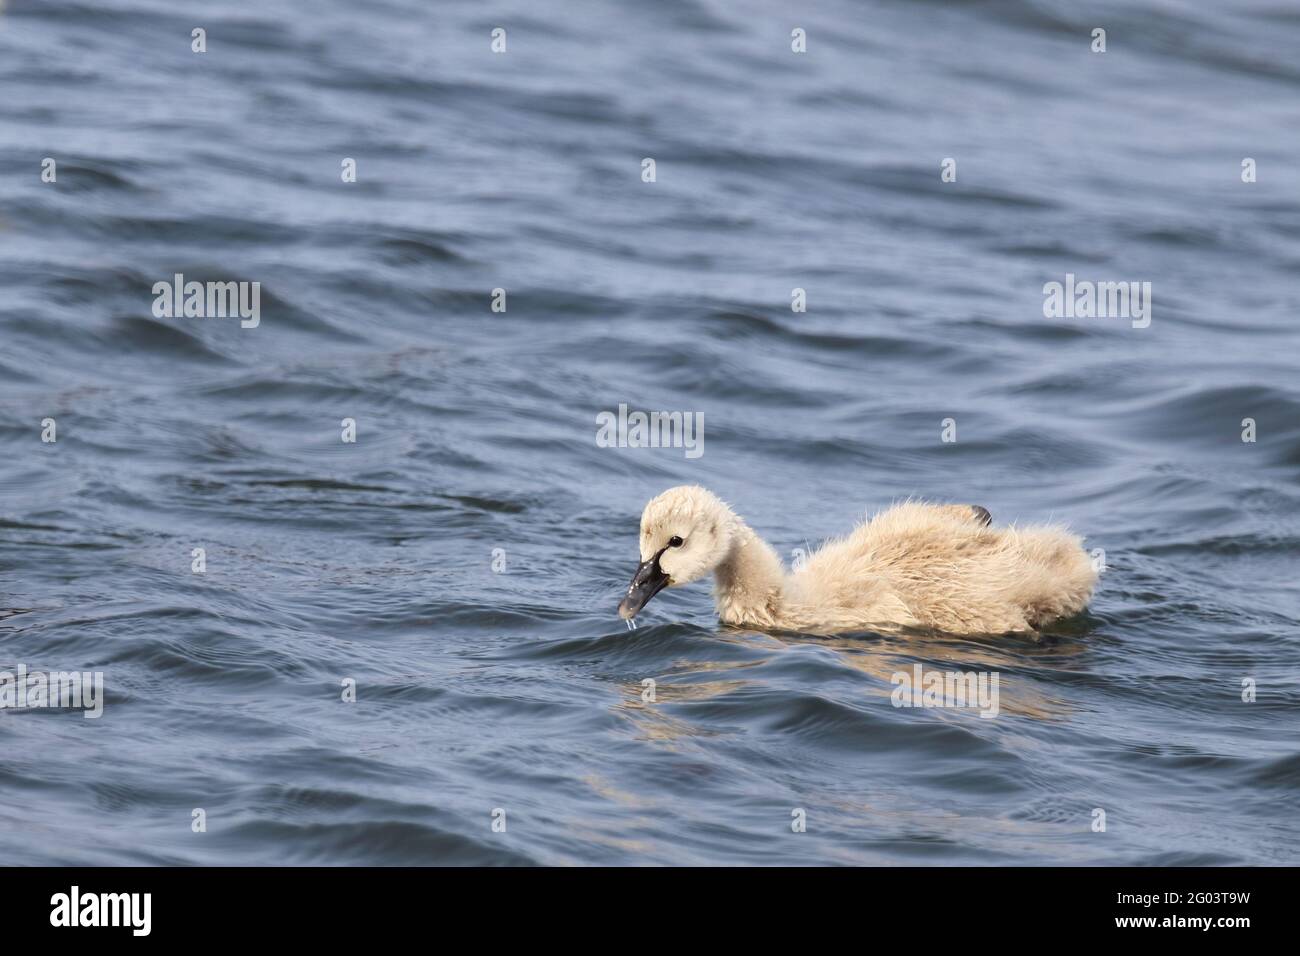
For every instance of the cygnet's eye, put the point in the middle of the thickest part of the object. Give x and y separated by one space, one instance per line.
674 542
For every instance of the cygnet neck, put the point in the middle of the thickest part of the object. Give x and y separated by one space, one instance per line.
749 581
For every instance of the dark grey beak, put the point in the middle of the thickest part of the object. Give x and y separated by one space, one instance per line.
648 581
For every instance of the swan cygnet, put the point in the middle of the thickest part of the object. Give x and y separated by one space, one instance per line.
939 567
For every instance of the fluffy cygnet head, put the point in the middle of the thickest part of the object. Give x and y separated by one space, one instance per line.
686 532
